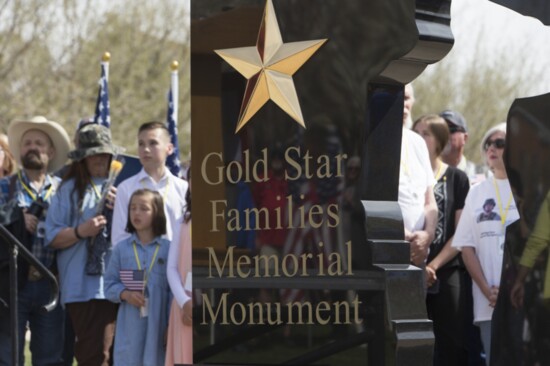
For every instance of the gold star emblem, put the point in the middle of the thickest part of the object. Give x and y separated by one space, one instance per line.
269 67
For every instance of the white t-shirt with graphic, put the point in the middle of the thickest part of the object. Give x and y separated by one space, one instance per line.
489 209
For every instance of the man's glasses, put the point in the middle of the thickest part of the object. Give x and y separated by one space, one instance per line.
498 143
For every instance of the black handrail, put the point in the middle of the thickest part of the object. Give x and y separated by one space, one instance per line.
17 248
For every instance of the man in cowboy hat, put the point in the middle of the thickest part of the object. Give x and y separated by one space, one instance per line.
40 147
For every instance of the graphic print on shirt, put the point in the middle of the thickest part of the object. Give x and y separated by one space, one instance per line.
491 228
487 213
440 193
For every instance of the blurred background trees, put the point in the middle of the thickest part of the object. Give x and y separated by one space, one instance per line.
498 56
50 55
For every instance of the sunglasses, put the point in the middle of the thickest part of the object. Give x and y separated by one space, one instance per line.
498 143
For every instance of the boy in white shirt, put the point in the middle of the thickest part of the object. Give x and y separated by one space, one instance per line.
154 147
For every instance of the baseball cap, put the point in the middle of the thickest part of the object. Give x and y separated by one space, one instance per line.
454 119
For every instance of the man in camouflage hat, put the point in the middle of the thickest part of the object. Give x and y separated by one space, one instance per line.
93 140
76 225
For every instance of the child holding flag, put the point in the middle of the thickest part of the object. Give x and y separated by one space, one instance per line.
136 278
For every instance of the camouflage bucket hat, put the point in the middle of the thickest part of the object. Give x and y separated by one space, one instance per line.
94 139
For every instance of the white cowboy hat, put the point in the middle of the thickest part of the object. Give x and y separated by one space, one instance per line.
54 130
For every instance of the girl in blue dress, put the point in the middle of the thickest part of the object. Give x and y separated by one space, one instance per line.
136 278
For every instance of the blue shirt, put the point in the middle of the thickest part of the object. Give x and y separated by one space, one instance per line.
25 198
140 341
65 211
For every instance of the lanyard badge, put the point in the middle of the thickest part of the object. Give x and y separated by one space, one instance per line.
144 310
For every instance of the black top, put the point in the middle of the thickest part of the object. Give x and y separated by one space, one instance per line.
450 194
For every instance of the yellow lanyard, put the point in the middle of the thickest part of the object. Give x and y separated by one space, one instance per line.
504 214
438 173
152 261
437 181
29 191
165 195
96 191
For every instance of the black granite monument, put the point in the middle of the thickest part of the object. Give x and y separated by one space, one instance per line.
298 250
521 328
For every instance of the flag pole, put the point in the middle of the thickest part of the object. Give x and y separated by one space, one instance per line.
175 88
173 161
102 108
105 62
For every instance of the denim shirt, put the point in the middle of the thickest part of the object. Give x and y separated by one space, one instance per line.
22 193
140 341
65 211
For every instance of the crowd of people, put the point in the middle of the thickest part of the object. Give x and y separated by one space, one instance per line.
122 256
460 243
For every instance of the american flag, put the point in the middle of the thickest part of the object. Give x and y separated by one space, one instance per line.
321 192
102 107
173 161
132 279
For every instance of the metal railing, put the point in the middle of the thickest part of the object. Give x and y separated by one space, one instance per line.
16 248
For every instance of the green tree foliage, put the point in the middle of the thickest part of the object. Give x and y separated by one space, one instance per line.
54 70
479 79
23 56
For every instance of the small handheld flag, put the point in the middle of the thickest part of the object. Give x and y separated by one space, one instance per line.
133 280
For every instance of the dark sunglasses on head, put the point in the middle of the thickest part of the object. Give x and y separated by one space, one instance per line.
498 143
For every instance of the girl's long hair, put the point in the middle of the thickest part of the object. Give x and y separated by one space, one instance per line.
159 217
79 172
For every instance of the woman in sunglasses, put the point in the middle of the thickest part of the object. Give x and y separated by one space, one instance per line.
488 210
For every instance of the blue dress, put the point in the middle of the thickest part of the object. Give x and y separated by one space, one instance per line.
139 341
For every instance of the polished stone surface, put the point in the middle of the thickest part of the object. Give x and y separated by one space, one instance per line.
521 335
539 9
321 199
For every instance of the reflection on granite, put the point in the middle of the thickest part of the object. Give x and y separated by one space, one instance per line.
521 334
539 9
311 213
